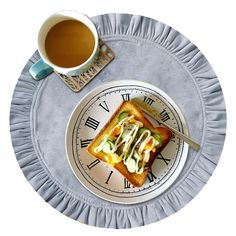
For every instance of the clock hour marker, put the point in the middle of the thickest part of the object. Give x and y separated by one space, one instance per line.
84 143
94 163
164 115
173 138
126 96
126 183
166 160
148 100
104 106
151 176
92 123
109 177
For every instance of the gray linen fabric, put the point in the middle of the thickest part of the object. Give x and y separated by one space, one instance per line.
145 50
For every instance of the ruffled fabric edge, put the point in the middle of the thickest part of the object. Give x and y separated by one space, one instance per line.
190 184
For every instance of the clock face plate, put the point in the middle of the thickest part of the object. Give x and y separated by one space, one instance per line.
91 115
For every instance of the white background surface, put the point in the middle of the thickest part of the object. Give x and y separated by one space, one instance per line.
208 24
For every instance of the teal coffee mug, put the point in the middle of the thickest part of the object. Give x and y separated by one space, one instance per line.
45 65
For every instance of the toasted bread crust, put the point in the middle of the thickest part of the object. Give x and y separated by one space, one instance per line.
134 178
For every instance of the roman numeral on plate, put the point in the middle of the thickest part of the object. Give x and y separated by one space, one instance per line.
151 176
164 116
84 143
126 96
104 106
94 163
126 184
148 100
108 178
166 160
92 123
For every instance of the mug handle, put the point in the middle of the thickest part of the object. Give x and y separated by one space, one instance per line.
40 70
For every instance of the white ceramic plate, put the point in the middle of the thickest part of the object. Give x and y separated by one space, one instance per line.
89 117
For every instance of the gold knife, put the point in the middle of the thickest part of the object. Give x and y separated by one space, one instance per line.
155 115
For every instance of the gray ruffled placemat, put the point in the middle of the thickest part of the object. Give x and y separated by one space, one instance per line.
145 50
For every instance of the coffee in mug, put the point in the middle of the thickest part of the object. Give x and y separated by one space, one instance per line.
69 43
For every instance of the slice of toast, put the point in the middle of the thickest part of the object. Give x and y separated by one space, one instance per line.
165 135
